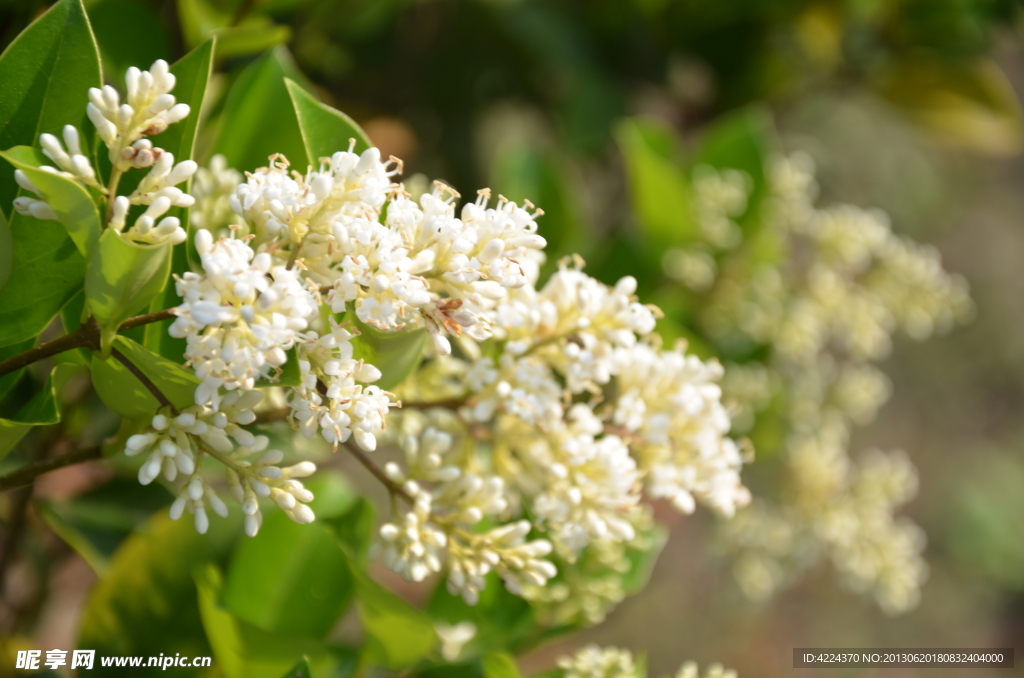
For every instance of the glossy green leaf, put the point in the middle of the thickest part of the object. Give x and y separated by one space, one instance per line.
146 604
127 396
258 119
47 271
122 279
300 573
46 73
128 34
242 650
499 665
325 130
395 354
40 410
75 208
397 634
658 187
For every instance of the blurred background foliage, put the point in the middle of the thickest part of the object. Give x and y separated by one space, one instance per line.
604 113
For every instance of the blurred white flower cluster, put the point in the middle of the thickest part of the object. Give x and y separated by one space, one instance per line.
825 292
148 108
593 661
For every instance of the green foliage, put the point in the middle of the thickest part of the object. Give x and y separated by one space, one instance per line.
658 188
502 620
395 354
243 650
128 34
124 394
75 208
39 410
499 665
258 119
324 129
45 72
123 277
146 603
397 634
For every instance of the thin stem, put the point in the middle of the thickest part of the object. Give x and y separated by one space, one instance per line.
115 179
270 416
85 337
449 404
146 381
393 487
295 255
26 474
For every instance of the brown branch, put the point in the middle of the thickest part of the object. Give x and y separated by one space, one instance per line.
12 533
270 416
449 404
26 474
146 381
87 336
378 472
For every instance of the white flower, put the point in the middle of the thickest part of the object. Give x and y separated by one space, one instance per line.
453 638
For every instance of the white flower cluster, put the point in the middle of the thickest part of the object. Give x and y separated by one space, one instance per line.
593 661
148 109
827 308
584 415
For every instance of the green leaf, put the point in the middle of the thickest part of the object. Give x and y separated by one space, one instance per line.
146 604
395 354
500 665
258 119
522 173
74 207
6 250
122 279
129 34
47 272
201 19
658 187
40 410
354 528
8 380
289 375
243 650
46 73
127 396
743 140
300 670
397 634
325 130
299 572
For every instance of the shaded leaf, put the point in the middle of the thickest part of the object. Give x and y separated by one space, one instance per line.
258 119
46 73
40 410
501 618
128 34
354 528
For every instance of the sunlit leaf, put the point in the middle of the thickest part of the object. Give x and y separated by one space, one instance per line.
124 394
243 650
397 634
324 129
500 665
395 354
122 279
